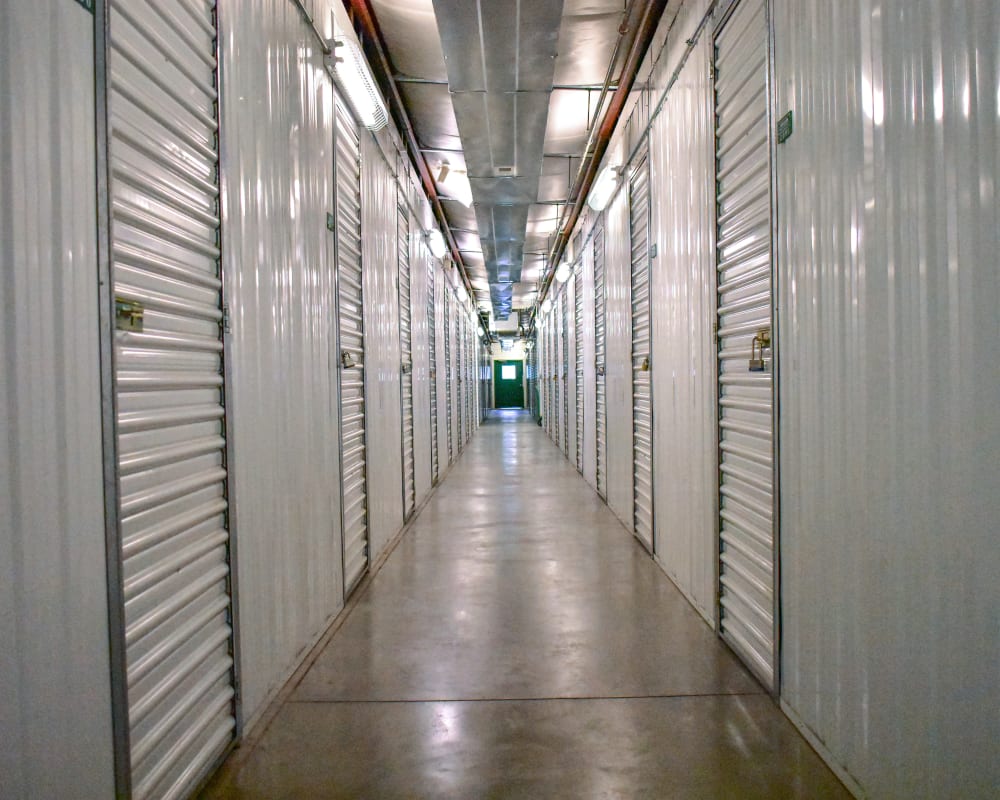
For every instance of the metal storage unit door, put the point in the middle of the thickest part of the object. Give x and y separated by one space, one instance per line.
353 421
564 367
578 359
170 393
432 350
746 453
601 421
642 405
448 403
556 378
460 372
406 354
456 384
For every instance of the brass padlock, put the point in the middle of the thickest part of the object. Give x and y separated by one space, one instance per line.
645 364
128 315
760 341
347 360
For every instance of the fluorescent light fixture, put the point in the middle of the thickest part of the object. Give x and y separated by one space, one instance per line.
563 271
603 188
546 305
436 242
462 294
456 183
350 71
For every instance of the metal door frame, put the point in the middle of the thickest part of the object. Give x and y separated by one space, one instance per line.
723 14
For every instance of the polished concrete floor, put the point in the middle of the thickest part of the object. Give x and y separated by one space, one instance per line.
519 643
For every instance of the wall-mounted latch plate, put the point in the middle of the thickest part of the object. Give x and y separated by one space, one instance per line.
128 315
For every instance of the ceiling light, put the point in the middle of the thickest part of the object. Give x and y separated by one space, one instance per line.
456 183
563 272
463 295
546 305
351 73
436 243
603 188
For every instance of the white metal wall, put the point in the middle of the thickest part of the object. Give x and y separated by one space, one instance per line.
382 351
278 271
683 307
54 672
890 441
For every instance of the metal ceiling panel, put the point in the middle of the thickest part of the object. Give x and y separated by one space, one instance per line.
509 45
432 115
410 32
586 42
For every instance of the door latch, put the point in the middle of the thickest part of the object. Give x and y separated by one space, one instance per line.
128 315
758 344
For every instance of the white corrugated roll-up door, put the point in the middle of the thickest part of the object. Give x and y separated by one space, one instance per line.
564 367
432 355
460 372
578 359
405 354
170 393
556 382
600 351
449 389
642 400
456 384
746 390
353 418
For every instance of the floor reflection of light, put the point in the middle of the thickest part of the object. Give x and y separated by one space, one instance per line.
447 724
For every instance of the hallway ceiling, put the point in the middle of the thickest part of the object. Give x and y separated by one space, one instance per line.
502 96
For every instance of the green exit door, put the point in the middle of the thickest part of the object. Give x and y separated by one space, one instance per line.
508 383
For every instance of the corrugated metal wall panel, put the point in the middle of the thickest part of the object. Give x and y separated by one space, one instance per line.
642 395
618 333
683 308
888 212
54 672
382 352
169 376
406 353
279 276
745 391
